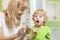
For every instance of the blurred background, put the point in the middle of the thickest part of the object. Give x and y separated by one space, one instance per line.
52 7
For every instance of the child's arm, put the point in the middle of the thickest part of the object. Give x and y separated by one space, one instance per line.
32 34
48 36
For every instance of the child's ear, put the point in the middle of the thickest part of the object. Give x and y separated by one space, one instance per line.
44 22
32 18
43 19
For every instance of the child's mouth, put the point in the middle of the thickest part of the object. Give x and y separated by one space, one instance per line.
37 21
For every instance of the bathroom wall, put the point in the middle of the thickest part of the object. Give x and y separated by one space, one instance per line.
54 23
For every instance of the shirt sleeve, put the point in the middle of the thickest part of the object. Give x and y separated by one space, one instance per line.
48 34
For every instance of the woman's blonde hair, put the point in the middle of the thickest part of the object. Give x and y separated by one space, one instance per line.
11 14
43 13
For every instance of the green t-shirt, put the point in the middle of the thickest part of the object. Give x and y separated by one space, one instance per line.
43 33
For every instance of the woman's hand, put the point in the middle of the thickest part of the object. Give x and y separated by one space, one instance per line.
21 32
28 29
25 30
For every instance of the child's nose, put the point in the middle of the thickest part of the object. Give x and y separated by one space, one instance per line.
37 17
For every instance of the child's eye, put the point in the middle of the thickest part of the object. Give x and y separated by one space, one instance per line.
35 16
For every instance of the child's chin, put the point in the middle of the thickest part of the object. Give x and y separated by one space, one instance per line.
37 24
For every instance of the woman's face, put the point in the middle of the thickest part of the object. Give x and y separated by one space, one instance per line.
19 14
21 7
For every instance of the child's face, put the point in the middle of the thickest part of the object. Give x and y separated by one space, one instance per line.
38 18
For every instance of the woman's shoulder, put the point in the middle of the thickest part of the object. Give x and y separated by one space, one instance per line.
1 18
1 14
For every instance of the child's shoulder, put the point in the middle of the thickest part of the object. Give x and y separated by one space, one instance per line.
47 28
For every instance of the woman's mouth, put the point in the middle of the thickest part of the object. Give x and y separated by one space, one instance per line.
19 14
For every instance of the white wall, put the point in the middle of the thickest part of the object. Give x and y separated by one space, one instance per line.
40 4
52 9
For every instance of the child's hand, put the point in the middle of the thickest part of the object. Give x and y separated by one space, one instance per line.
35 31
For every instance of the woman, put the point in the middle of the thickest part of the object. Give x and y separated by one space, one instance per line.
10 20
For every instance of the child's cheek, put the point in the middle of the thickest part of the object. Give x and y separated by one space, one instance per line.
35 18
41 19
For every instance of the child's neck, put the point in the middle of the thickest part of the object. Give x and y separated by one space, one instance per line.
38 26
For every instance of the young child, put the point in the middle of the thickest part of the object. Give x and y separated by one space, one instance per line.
39 31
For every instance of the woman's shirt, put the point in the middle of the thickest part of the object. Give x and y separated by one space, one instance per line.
7 31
